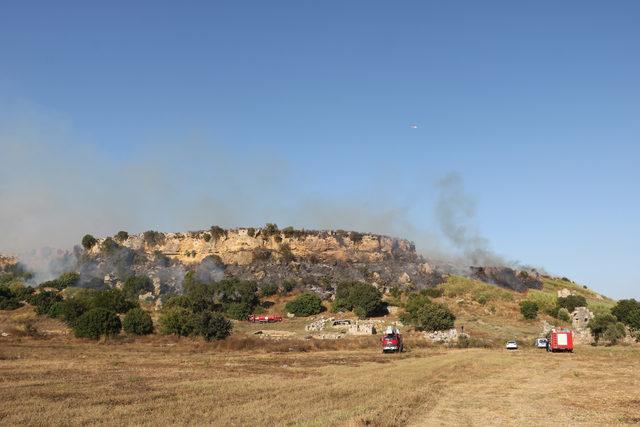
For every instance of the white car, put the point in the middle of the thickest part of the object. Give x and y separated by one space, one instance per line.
512 345
541 343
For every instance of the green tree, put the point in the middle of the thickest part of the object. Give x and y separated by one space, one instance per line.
426 315
111 299
364 299
600 324
628 312
88 241
177 321
97 322
137 322
304 305
529 309
212 326
121 236
614 333
44 300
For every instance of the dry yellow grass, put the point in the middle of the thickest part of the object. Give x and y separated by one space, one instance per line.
170 381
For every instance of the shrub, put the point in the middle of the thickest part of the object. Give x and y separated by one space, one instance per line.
304 305
44 300
426 315
364 299
251 232
97 322
137 322
571 302
212 326
269 289
137 285
109 246
395 292
153 238
288 286
356 237
529 310
563 314
206 237
176 301
88 241
287 254
270 230
217 232
9 304
121 236
288 232
177 321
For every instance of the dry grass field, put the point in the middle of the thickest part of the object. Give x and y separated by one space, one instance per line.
164 381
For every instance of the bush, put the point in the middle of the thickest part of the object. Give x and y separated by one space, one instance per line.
153 238
529 310
304 305
137 285
206 237
44 300
109 299
364 299
97 322
137 322
426 315
9 304
176 301
563 314
269 289
287 254
177 321
121 236
88 241
109 246
68 310
571 302
217 232
270 230
212 326
356 237
288 286
251 232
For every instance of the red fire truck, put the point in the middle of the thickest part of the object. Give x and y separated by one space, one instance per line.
264 318
560 340
392 340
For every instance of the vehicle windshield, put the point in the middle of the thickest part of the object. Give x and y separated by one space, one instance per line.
390 337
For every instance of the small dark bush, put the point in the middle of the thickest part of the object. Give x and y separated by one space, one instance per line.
529 309
212 326
121 236
356 237
571 302
270 230
217 232
109 246
177 321
206 237
68 310
88 241
288 286
9 304
153 238
269 289
251 232
137 322
96 323
287 254
304 305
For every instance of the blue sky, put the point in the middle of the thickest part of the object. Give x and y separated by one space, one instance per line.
271 110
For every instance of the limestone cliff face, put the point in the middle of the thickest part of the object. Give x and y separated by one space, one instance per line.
243 247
